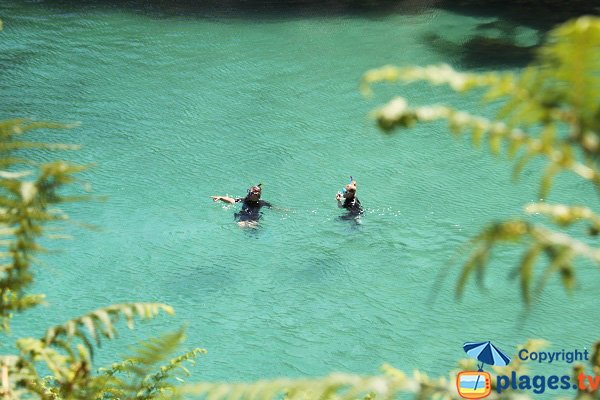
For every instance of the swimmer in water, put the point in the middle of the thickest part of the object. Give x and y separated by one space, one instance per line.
350 201
251 205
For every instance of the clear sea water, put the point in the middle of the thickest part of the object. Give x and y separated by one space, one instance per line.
177 106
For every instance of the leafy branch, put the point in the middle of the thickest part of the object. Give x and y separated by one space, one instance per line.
551 110
561 250
388 385
139 377
26 200
560 155
71 363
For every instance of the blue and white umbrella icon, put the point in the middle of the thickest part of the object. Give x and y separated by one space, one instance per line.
486 353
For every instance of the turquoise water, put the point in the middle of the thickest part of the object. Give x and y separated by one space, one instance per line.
175 108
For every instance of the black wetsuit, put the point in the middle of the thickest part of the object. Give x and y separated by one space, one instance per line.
353 206
250 209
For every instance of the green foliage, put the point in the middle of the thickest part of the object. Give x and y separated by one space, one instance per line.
147 374
388 385
101 322
70 360
549 110
336 386
30 196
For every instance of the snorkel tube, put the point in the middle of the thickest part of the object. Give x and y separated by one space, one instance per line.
344 188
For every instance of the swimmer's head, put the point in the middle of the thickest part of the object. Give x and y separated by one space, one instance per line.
254 192
350 190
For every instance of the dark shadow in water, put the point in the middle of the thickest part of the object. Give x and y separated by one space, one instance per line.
480 51
542 15
354 221
496 43
256 9
15 58
204 280
476 51
539 14
319 269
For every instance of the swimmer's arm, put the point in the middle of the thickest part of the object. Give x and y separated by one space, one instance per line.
224 199
339 197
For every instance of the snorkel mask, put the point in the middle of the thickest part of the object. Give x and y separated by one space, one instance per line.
344 188
255 189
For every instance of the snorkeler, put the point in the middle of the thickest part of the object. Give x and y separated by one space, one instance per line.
351 202
251 205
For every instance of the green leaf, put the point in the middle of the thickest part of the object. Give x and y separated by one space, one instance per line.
526 268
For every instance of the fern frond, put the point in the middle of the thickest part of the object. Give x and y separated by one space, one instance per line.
559 92
436 75
66 350
565 215
18 380
155 350
336 386
397 113
559 248
19 126
139 376
572 53
524 104
158 380
25 195
100 323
